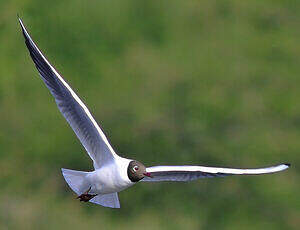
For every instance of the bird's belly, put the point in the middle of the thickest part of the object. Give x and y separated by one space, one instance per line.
107 181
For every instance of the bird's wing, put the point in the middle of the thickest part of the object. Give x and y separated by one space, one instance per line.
189 173
72 108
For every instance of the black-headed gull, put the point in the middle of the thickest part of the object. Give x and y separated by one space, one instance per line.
112 173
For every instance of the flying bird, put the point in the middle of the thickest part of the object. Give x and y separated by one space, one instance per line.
112 173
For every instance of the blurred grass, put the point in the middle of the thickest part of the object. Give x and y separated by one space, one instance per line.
170 82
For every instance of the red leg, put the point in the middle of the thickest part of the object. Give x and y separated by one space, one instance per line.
86 196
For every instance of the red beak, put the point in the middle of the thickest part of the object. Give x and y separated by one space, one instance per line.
148 174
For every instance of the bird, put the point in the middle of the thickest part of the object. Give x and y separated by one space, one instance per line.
112 173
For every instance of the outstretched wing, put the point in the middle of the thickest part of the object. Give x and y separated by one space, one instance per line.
189 173
72 108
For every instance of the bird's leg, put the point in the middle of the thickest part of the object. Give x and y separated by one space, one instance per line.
86 196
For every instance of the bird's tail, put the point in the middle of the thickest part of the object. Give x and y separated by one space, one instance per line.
76 180
79 184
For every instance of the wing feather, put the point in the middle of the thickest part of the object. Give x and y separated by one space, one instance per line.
76 113
189 173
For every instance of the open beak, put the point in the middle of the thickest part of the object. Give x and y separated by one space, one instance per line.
148 174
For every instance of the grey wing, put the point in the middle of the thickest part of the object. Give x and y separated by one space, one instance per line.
189 173
72 108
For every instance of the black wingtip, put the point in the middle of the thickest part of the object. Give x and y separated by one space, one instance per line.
19 18
288 164
21 22
23 28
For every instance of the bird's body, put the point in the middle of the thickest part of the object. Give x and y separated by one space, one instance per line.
112 173
110 178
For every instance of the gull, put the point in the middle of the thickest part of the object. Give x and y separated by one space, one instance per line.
112 173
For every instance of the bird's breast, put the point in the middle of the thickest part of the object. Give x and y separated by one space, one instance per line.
108 180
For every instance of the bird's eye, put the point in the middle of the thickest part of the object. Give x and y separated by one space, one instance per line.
135 168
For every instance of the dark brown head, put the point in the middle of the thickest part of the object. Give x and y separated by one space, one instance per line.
136 171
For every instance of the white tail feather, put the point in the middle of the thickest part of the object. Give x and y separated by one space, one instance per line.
76 180
110 200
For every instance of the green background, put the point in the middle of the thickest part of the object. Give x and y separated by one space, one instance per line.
212 83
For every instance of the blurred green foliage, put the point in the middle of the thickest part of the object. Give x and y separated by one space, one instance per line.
171 82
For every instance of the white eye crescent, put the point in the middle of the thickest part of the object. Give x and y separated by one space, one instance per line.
135 168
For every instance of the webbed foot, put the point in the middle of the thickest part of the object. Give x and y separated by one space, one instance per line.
86 196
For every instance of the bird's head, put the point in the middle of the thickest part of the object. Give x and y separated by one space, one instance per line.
137 171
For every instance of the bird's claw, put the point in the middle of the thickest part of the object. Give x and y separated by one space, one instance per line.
86 196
